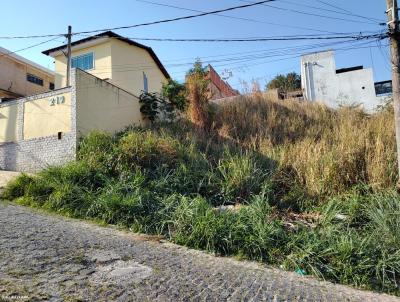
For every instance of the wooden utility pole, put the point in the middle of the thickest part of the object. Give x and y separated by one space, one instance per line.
393 24
69 36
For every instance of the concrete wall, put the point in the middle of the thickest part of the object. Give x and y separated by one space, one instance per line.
8 123
102 63
103 106
32 154
320 82
47 116
13 72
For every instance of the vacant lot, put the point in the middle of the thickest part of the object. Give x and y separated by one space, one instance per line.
291 184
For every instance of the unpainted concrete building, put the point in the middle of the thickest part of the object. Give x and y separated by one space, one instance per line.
321 81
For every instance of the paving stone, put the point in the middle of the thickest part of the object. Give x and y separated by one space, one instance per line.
49 258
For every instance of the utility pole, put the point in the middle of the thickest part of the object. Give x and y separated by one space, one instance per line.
69 36
393 24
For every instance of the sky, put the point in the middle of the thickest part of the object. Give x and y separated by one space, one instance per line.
238 62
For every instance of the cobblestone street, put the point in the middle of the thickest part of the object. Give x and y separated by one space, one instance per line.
44 257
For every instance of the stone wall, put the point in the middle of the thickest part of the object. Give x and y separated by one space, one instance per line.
39 153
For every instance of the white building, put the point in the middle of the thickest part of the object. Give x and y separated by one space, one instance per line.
321 81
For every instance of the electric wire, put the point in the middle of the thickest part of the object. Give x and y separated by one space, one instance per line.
232 62
235 17
344 12
28 47
148 23
347 11
179 18
312 14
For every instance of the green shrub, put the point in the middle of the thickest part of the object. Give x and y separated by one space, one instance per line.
256 233
17 187
239 176
96 150
69 199
146 150
196 224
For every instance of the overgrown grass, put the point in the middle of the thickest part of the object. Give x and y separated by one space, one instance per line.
286 183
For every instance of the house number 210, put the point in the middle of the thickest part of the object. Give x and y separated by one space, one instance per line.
57 100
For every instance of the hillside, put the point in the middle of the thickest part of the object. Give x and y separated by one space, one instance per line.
291 184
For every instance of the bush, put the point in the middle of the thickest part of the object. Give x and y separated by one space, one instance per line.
257 233
239 176
96 149
17 188
196 224
146 150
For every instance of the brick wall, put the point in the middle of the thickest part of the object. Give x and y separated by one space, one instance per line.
218 87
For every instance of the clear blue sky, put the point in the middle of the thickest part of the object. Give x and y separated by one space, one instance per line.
246 60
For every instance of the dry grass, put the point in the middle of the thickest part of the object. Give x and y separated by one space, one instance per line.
325 151
196 86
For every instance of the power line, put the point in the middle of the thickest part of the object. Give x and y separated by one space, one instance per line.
237 18
31 37
29 47
347 11
265 39
312 14
292 57
237 60
250 4
249 56
344 12
180 18
148 23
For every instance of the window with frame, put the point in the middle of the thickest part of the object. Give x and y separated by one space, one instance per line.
51 86
84 62
34 79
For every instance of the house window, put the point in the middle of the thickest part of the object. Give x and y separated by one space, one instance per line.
145 83
34 79
84 62
51 86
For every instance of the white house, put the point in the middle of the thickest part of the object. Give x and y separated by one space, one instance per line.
321 81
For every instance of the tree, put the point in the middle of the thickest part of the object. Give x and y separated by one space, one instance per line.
285 83
198 95
175 93
197 69
154 106
163 105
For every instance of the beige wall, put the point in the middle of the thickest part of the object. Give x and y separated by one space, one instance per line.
43 119
129 63
118 62
13 77
102 63
8 123
102 106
